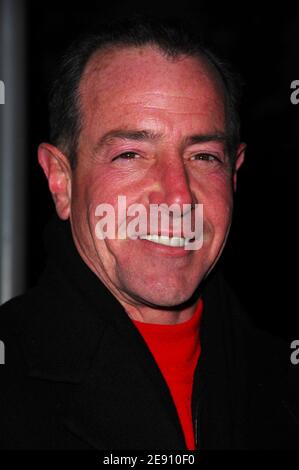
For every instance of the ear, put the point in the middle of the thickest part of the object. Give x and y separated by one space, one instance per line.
239 160
58 172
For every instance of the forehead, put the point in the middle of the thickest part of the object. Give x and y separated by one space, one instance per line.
119 83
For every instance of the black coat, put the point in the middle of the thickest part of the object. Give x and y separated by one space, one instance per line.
78 374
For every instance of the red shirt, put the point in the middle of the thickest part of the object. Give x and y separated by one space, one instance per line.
176 349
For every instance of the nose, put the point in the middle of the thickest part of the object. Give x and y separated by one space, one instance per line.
172 183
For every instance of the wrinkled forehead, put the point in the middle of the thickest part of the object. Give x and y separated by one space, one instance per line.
145 74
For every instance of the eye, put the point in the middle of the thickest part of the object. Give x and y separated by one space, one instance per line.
206 157
126 156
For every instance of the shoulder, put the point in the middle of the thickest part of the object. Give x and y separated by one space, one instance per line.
30 405
264 380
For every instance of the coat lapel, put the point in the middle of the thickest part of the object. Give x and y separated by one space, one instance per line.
123 401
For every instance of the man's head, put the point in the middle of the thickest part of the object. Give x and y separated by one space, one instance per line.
150 115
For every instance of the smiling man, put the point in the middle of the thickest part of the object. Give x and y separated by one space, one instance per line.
126 342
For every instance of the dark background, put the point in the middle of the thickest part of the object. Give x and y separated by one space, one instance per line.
260 259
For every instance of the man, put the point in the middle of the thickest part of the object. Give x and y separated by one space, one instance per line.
128 342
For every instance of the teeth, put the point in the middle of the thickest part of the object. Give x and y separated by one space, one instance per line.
164 240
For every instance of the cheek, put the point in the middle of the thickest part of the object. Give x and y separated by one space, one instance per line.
90 190
96 198
217 199
104 186
117 191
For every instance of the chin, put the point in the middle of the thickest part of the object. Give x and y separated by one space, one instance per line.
161 295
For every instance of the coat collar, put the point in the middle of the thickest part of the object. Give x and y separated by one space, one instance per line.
66 314
69 312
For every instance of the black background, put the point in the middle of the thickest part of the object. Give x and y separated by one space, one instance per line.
262 42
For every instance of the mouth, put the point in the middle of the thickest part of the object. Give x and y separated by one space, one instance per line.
175 242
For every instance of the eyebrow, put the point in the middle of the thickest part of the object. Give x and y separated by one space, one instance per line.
123 134
150 136
202 138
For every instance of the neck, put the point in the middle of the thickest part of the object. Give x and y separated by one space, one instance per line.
165 316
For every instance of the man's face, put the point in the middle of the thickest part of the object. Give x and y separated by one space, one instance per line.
140 115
